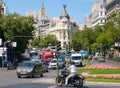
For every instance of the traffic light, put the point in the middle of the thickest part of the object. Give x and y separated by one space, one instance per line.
58 45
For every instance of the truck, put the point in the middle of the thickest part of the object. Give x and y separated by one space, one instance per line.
47 56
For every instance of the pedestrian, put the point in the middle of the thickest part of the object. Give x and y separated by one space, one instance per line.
92 60
8 65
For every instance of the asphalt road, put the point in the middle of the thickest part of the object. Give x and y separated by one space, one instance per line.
8 79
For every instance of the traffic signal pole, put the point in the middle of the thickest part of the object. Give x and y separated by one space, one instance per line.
57 55
57 68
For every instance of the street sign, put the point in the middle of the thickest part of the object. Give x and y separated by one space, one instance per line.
14 44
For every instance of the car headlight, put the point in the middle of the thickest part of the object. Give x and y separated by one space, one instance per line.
18 70
29 70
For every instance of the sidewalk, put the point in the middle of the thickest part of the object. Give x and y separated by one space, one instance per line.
3 69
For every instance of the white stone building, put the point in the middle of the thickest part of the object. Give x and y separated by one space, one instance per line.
98 16
63 28
112 8
42 22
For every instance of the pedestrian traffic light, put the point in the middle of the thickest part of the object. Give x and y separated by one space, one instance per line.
58 45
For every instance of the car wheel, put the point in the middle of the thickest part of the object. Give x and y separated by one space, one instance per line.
19 76
47 70
41 75
33 76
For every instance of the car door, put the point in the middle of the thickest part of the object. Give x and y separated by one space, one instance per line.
39 69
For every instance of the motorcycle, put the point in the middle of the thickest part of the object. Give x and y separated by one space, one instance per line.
76 81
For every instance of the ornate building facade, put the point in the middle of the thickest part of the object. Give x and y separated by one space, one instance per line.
42 22
63 28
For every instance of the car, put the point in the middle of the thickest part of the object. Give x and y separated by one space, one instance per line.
45 66
101 59
53 64
30 68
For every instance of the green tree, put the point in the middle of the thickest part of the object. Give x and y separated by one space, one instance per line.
44 42
15 27
76 41
83 39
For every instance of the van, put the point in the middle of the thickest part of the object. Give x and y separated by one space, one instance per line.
77 59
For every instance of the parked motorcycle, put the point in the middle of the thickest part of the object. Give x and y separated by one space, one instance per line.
76 81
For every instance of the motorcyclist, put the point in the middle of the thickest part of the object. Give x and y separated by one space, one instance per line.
72 69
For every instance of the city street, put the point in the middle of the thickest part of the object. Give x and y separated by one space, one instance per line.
42 35
8 79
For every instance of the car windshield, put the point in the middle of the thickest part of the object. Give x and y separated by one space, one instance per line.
48 57
76 58
53 61
33 54
27 64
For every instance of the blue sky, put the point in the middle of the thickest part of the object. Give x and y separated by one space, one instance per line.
78 9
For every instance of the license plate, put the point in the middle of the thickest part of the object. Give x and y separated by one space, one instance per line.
23 72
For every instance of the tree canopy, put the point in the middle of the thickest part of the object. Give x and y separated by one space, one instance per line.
98 38
17 28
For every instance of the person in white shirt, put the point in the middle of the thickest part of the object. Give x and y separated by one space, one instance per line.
72 70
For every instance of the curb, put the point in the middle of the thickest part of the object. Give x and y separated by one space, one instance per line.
103 83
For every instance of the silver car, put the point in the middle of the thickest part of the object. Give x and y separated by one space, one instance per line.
29 68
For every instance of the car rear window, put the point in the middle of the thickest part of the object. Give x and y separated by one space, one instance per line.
27 64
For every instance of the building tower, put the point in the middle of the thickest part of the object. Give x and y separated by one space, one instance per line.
64 14
43 22
2 6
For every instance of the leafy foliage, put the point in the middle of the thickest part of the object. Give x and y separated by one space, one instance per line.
44 42
16 28
99 38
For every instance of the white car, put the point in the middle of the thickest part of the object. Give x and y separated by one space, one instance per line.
53 64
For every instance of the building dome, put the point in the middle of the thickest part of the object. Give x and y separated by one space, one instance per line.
64 13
